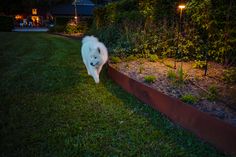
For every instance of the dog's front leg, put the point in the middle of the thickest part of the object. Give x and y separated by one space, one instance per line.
94 74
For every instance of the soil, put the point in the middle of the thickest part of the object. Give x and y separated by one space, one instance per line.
195 83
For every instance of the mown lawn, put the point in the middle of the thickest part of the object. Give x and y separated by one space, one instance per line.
49 107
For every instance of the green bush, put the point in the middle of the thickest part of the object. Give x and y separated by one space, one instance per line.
176 77
229 75
115 59
213 93
188 98
131 58
71 27
6 23
171 75
199 64
152 27
153 58
150 79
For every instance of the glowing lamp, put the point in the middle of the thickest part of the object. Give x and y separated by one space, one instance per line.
181 7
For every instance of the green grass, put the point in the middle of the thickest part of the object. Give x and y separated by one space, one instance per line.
50 107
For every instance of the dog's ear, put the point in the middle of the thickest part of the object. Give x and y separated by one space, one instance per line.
99 50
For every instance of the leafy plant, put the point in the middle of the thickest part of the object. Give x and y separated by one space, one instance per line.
176 77
199 64
115 59
131 58
153 58
180 75
213 93
171 75
150 79
188 98
229 75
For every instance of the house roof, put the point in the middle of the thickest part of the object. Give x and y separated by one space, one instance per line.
84 8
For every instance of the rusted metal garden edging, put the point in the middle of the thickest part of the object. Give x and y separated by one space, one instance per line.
215 131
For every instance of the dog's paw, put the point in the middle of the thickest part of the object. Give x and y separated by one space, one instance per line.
96 80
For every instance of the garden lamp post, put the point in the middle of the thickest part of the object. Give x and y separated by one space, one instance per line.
181 7
75 4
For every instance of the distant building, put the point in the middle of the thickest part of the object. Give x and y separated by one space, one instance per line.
37 18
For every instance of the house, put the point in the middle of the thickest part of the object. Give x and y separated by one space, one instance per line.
37 18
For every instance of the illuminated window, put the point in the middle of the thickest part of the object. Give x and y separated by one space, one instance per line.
34 11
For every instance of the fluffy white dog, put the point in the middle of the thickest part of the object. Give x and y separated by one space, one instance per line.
95 55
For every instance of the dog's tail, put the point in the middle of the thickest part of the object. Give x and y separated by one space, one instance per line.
89 38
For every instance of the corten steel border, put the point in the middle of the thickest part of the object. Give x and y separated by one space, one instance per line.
215 131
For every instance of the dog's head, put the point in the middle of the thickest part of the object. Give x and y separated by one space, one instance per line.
95 57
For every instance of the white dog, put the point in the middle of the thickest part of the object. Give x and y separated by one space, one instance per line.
95 55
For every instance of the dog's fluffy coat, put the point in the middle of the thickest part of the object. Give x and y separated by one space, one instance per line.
95 55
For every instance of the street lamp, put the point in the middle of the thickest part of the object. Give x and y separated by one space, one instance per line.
75 4
181 7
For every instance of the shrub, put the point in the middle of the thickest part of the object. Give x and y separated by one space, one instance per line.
188 98
171 75
6 23
176 77
115 59
229 75
213 93
153 58
150 79
199 64
131 58
180 76
72 27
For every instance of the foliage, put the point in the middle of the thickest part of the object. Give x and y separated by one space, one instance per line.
153 58
150 79
180 75
6 23
154 27
115 59
199 64
213 93
229 75
72 27
189 98
171 75
131 58
176 76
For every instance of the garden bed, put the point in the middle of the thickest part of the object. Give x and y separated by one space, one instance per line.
209 93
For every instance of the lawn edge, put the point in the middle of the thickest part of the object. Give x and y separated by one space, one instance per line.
215 131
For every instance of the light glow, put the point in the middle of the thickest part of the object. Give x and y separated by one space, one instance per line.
181 6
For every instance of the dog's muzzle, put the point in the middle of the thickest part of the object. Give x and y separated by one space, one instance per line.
94 64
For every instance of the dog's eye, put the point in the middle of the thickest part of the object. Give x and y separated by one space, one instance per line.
95 57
